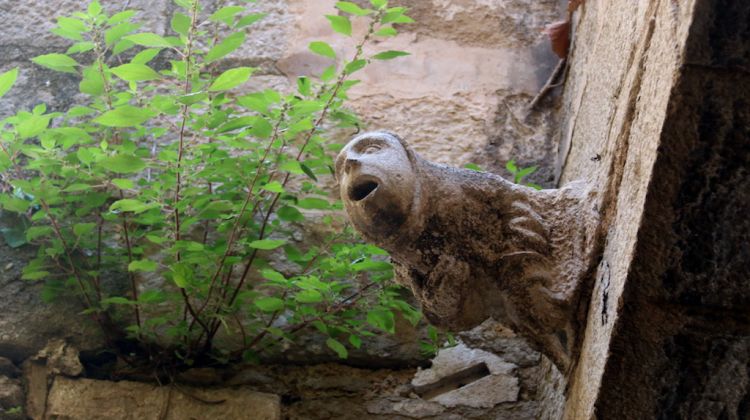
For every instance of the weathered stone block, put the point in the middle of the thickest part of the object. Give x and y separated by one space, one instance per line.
92 399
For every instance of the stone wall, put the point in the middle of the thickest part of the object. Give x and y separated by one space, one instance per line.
657 116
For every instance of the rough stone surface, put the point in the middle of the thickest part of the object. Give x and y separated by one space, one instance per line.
26 322
333 391
496 339
7 368
405 407
664 105
472 245
36 377
11 393
91 399
458 83
499 386
33 20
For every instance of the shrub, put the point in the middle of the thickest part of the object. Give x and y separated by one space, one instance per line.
169 202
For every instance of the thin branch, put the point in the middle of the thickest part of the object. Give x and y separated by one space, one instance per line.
133 284
548 86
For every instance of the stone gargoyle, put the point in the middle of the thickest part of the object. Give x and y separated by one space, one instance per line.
472 245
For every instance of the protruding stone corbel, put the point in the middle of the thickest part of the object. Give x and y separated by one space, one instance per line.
472 245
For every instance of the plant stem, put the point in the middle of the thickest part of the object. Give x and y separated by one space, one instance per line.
308 137
133 284
180 151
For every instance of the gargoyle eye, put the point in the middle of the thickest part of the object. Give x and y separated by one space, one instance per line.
371 149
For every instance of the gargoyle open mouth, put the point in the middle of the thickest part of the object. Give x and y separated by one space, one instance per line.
362 188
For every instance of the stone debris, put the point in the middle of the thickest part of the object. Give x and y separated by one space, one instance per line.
499 384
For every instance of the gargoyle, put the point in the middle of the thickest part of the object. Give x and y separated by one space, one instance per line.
472 245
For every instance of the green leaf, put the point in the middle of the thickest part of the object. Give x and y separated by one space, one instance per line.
80 47
382 319
337 347
396 16
354 66
370 265
83 228
267 244
92 82
33 126
231 78
534 186
156 239
142 265
149 39
308 296
192 98
292 166
123 164
117 300
328 73
379 3
152 296
250 19
135 72
313 203
121 17
57 62
72 35
340 24
115 34
261 128
7 80
34 275
386 31
94 8
180 23
269 304
37 231
349 7
226 14
274 187
145 56
125 116
273 275
473 167
130 204
308 172
182 274
226 46
390 54
511 166
322 48
123 184
355 341
290 214
70 24
526 171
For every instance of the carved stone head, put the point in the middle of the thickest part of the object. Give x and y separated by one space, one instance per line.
472 245
378 185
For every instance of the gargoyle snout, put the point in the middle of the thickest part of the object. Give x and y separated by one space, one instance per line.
351 164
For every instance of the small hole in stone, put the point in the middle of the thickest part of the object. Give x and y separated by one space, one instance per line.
362 190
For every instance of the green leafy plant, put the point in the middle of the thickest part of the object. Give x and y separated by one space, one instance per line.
520 173
172 201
